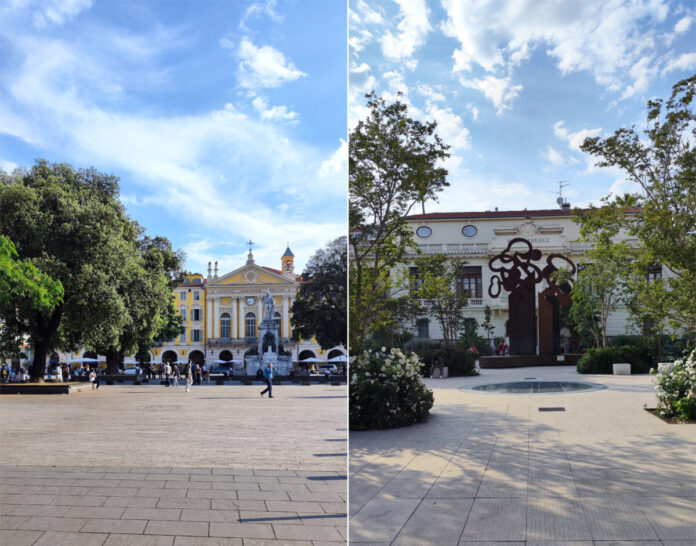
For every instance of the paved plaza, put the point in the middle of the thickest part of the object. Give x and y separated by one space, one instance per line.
493 469
153 465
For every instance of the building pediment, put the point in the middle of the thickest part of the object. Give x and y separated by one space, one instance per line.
250 275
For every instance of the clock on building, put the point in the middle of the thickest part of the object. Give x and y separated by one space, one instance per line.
250 301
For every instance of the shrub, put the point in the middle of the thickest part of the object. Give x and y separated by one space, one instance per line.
459 361
676 388
600 360
386 391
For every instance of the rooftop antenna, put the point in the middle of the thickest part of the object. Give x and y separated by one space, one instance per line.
561 201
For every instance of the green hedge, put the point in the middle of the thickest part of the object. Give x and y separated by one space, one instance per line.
600 360
459 361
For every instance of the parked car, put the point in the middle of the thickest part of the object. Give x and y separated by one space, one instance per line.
224 371
133 371
330 367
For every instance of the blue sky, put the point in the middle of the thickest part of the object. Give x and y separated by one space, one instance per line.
225 120
516 86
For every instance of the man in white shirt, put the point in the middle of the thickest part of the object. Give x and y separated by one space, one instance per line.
167 373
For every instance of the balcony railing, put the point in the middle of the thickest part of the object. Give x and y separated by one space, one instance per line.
241 341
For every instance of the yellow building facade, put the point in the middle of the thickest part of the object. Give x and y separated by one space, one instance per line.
222 314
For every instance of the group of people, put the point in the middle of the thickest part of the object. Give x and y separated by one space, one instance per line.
8 375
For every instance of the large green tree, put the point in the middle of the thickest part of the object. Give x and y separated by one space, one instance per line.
395 162
70 225
320 308
145 287
661 160
22 287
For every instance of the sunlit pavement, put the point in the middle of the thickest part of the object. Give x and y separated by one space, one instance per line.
492 468
159 466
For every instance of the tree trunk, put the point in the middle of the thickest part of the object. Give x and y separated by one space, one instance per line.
42 341
113 360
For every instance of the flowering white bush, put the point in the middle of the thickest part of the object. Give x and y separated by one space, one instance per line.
676 388
386 391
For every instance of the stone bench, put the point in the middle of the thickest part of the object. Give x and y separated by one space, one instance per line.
621 368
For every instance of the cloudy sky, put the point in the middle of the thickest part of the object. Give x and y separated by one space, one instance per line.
224 120
516 86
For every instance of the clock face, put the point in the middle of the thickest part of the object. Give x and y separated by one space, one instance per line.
250 301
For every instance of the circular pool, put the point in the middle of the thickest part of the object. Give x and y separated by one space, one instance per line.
535 387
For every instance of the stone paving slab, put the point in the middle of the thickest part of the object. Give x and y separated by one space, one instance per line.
602 473
117 502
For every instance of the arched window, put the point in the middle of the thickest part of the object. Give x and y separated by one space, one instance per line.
225 325
250 325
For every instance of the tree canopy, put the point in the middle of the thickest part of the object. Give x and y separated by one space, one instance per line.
394 164
320 308
70 225
661 216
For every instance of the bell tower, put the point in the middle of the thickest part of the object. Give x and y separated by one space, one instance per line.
287 265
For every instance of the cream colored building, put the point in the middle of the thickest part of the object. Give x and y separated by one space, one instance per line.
477 237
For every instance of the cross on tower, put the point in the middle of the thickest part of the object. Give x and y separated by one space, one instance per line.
250 243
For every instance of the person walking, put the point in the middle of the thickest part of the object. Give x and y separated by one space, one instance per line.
188 374
199 373
175 375
268 378
94 379
167 373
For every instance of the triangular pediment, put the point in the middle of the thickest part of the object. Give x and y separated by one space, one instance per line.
250 275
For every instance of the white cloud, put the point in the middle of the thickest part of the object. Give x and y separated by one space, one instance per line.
8 166
685 61
450 127
642 74
412 29
264 66
574 139
430 93
280 113
500 91
56 12
683 24
359 69
604 38
359 38
259 9
555 157
474 111
361 13
337 163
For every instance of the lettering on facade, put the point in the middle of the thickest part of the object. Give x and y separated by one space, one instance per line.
536 240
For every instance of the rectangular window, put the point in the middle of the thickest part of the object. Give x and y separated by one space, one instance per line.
196 295
654 272
195 336
416 281
470 282
182 296
182 337
423 328
470 324
195 315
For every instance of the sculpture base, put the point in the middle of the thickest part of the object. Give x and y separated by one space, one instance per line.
527 361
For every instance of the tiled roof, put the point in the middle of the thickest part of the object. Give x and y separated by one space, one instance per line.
497 214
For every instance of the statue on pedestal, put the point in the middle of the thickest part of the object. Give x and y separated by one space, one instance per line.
268 307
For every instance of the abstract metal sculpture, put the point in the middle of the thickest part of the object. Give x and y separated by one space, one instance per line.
516 273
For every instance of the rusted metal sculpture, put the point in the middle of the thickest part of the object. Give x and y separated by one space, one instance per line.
516 272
